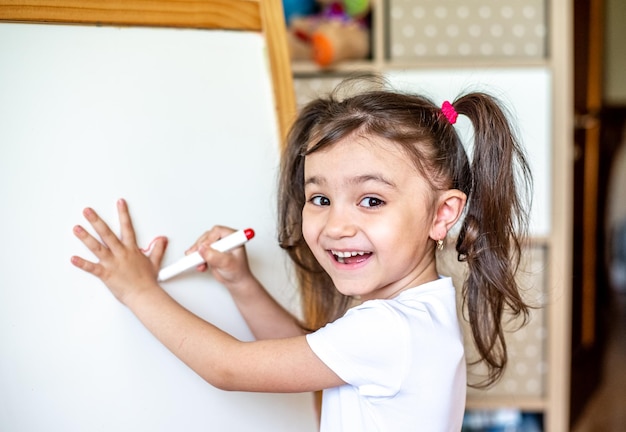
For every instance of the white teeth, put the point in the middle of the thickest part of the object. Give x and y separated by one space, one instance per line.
341 254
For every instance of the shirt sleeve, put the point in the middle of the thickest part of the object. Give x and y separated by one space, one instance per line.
368 348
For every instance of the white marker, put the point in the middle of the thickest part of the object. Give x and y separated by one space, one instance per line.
225 244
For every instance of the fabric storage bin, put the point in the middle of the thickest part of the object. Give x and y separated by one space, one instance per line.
466 29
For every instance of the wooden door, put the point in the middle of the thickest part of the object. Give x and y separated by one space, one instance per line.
590 180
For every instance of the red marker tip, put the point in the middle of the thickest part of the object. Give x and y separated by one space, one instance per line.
249 232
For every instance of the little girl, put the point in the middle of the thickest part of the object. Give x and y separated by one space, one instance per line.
370 187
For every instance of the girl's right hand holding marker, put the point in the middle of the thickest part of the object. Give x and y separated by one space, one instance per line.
265 317
229 268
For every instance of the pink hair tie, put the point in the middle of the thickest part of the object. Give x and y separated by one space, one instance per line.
448 110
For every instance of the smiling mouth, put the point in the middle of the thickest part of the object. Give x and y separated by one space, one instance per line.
350 257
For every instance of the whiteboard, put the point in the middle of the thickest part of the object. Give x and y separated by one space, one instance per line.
177 122
526 94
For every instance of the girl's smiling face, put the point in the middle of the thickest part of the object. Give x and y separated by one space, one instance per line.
370 217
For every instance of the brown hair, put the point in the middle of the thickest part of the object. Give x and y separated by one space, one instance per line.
495 219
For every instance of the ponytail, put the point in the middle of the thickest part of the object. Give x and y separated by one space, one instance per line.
495 223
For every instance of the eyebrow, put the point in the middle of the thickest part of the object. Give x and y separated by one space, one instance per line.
317 180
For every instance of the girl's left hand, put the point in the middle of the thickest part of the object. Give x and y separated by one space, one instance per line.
122 265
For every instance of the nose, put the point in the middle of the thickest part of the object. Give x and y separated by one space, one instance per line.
340 223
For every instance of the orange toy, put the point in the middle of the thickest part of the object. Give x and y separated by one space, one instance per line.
336 41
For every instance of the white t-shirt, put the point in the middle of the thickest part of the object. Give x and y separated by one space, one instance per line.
403 362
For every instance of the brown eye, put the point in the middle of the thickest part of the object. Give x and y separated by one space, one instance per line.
320 200
371 202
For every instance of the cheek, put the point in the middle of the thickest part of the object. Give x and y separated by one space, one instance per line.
400 232
388 240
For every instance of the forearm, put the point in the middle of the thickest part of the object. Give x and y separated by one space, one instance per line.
265 317
278 365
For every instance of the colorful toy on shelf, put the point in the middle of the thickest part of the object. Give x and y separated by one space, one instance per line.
356 8
337 33
299 8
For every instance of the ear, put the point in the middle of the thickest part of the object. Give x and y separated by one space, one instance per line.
450 206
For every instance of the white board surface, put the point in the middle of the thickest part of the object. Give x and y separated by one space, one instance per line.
181 124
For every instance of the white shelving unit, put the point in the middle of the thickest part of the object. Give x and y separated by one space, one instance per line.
456 37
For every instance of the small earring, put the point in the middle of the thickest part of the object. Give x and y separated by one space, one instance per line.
439 244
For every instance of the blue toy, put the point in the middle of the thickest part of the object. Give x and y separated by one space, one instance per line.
299 8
